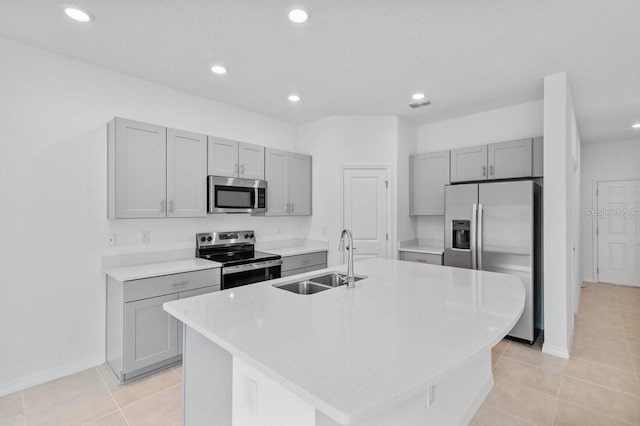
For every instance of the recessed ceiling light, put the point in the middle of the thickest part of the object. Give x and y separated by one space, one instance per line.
294 98
636 126
218 69
417 96
298 16
78 14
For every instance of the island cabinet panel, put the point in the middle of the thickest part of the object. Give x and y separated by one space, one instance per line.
151 335
185 295
429 174
139 157
186 174
251 161
469 164
222 157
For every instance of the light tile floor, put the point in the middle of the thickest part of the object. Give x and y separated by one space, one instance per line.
599 385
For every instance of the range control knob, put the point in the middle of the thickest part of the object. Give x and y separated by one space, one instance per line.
246 236
209 238
251 236
203 239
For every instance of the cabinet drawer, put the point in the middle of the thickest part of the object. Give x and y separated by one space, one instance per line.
291 272
304 261
433 259
168 284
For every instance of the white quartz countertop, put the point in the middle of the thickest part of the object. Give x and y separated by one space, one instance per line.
295 248
149 270
420 248
353 352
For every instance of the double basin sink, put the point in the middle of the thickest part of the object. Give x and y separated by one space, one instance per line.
317 284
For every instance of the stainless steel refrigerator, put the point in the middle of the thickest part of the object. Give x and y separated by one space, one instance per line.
497 226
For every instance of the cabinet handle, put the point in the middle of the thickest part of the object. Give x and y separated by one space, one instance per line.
162 206
484 170
242 170
235 169
491 170
287 206
181 283
291 208
171 206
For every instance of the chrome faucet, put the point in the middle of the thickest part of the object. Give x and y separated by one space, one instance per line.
351 278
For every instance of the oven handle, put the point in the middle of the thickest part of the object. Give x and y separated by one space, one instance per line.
251 266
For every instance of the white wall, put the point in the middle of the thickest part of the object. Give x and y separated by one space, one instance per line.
339 141
407 145
561 177
504 124
53 188
604 161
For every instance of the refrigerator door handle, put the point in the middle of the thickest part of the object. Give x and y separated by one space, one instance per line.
474 216
479 238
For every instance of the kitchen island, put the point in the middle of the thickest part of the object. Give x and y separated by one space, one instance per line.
411 344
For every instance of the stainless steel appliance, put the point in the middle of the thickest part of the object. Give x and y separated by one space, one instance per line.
241 263
236 195
497 227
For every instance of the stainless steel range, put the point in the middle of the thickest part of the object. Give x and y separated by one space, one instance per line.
241 264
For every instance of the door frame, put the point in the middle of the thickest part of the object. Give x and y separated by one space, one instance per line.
595 249
391 219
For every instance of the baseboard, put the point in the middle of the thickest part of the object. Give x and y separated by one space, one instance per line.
471 412
48 375
555 351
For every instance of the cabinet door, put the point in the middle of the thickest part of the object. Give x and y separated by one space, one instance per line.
192 293
469 164
300 184
251 160
150 333
510 159
277 177
140 170
186 174
223 157
429 175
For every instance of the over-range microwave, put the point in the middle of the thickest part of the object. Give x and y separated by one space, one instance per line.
236 195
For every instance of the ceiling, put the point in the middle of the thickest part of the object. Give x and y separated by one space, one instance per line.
361 57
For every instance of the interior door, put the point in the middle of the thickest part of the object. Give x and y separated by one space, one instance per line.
277 177
222 157
251 160
141 170
619 232
300 184
186 174
506 240
365 211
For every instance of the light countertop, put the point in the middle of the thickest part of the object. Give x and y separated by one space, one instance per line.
352 352
149 270
294 247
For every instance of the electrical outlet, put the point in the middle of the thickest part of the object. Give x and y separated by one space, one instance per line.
111 239
144 237
251 394
431 395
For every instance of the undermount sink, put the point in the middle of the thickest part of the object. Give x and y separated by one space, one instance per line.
317 284
334 279
304 287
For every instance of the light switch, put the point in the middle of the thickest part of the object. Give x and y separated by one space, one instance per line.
251 394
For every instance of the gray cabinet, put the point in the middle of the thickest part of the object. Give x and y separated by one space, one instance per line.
511 159
430 258
155 172
299 264
141 336
288 177
235 159
469 164
429 173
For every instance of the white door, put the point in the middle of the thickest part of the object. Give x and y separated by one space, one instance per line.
223 157
277 177
619 232
186 174
365 211
251 160
141 170
300 183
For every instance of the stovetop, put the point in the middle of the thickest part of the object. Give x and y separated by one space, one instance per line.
230 248
230 258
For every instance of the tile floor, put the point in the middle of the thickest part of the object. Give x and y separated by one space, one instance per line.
599 385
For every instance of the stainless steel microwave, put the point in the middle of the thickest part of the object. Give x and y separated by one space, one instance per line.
235 195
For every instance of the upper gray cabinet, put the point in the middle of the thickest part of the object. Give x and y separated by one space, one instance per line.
288 177
154 172
429 173
503 160
235 159
469 164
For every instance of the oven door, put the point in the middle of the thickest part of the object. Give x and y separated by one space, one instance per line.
236 276
234 195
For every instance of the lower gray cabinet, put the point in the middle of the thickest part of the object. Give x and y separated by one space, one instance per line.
150 333
410 256
299 264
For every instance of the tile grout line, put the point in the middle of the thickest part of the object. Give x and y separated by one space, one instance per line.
509 414
112 397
